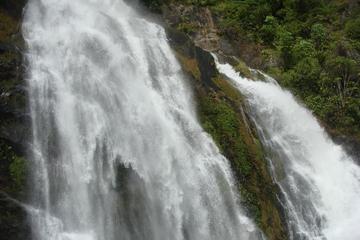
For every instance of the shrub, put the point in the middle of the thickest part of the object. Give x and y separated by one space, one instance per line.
352 29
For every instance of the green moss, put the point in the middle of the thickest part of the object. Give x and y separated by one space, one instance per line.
228 90
249 201
221 114
243 69
283 36
352 28
17 171
221 121
12 170
187 28
189 65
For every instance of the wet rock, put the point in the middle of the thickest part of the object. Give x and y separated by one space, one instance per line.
14 124
217 100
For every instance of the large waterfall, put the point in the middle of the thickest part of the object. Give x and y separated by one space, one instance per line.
320 183
117 149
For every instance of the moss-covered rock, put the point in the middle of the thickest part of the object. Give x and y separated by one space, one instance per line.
223 115
13 225
317 36
243 69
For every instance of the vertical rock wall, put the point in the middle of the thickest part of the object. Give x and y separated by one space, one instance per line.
14 123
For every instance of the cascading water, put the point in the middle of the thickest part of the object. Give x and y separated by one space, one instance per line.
118 152
319 181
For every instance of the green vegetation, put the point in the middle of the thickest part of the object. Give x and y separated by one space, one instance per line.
315 45
12 182
221 121
18 171
220 110
243 69
12 170
187 28
13 218
221 116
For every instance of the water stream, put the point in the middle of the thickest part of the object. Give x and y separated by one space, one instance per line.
117 150
320 183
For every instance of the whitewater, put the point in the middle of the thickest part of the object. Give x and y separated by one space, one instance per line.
319 181
117 151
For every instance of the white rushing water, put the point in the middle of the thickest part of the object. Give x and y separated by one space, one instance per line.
117 149
319 181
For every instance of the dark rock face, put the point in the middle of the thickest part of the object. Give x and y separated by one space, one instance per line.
133 204
14 117
13 7
203 58
14 124
206 65
13 111
351 146
202 26
196 22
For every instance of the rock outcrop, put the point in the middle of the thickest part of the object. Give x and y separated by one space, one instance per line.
202 26
196 22
14 123
223 115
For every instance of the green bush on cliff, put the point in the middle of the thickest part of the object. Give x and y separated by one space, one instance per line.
319 36
315 44
319 46
227 127
352 28
220 111
12 169
268 30
221 121
17 171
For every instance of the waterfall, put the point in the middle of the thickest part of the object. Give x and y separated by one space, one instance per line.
117 150
320 183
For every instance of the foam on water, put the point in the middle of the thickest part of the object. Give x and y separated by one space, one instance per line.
118 151
319 181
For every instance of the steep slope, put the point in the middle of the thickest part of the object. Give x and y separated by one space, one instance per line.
223 115
310 47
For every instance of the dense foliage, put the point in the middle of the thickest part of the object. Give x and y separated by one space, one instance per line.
315 44
318 45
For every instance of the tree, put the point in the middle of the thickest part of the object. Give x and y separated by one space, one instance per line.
268 30
302 49
284 42
318 35
303 78
352 29
343 71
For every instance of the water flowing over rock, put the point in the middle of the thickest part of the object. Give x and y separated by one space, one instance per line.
117 150
319 181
